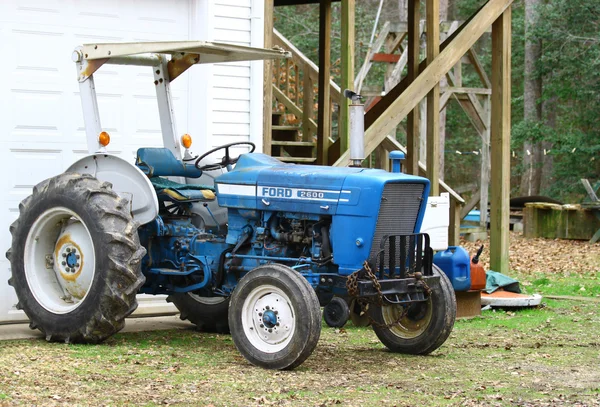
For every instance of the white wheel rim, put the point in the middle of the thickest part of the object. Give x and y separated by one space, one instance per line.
207 300
268 319
406 328
59 260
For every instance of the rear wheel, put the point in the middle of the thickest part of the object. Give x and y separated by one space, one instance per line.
274 317
209 314
424 327
75 259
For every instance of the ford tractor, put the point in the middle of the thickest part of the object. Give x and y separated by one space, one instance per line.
239 241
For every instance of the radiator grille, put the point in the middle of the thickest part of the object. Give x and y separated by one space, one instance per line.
398 212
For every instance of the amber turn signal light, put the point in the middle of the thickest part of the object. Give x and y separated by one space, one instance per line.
186 140
104 139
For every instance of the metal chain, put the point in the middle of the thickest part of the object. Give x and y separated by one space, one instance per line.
352 287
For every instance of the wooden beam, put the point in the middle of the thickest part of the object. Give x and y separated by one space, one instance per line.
268 80
347 62
475 91
324 123
294 109
500 143
472 203
479 68
433 98
454 228
413 49
389 58
308 103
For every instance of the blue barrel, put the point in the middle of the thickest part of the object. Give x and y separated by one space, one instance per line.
455 262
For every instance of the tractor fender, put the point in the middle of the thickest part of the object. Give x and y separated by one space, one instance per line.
127 180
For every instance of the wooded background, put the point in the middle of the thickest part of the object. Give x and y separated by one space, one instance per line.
555 88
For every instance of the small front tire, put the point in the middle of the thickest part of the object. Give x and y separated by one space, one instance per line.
336 313
274 317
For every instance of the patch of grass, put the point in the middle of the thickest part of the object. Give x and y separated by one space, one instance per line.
544 356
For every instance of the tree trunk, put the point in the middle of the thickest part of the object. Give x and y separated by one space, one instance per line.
549 113
532 150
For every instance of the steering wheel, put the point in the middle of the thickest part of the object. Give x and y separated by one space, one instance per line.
226 160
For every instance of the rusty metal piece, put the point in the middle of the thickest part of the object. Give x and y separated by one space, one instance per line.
181 62
87 67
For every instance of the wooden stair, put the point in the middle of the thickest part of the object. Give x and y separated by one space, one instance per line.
287 145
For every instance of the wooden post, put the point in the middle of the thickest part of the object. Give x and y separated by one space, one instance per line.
455 218
324 124
268 80
433 98
347 70
500 143
412 124
485 167
308 96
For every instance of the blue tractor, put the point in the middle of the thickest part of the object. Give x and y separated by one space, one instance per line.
243 244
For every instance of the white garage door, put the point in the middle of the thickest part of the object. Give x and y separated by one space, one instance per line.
41 125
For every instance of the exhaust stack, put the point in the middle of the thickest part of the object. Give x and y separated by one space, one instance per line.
357 128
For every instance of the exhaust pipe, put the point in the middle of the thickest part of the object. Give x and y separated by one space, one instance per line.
357 128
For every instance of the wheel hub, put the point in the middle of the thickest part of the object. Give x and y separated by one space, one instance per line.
268 319
59 260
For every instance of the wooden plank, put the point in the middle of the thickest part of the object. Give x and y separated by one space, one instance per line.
382 159
445 98
308 104
289 104
347 65
389 58
324 114
433 98
472 203
454 227
500 143
475 91
485 166
590 191
413 49
479 68
268 79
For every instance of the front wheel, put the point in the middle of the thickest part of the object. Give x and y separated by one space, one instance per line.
424 327
274 317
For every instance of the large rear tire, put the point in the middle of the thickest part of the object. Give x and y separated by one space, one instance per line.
209 314
426 325
75 259
274 317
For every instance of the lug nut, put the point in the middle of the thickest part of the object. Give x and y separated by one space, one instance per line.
77 265
64 263
64 254
270 330
77 257
260 314
68 250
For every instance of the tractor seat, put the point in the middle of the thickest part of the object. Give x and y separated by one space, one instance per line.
176 192
158 163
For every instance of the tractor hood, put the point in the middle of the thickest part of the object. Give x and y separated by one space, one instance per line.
265 183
